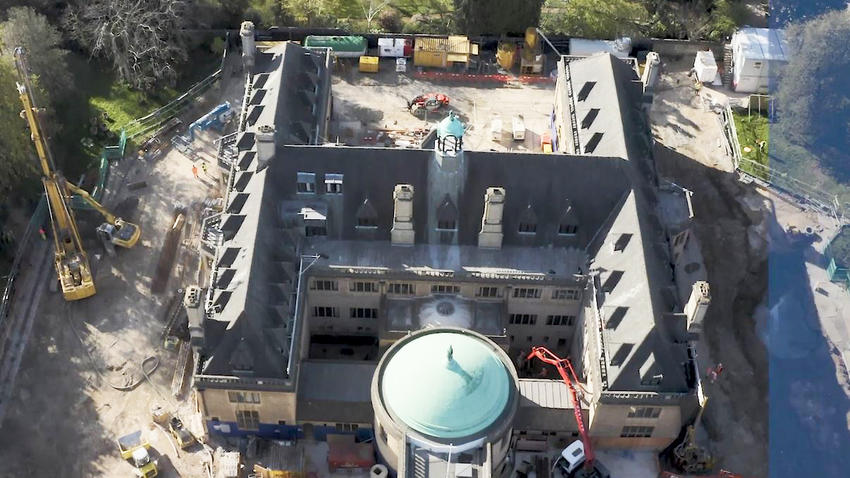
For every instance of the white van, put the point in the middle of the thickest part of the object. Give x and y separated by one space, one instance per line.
573 456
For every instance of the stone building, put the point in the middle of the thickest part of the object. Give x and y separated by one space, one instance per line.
326 256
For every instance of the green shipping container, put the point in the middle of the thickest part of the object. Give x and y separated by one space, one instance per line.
343 46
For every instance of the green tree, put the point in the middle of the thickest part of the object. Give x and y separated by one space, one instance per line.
42 41
476 17
607 19
16 152
813 99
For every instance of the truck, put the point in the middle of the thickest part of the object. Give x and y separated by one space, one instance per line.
134 449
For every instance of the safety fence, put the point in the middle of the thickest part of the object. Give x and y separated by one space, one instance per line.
152 121
471 77
772 176
37 220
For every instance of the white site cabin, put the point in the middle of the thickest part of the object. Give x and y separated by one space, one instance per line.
757 56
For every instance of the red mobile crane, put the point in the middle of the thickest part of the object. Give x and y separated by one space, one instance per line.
568 375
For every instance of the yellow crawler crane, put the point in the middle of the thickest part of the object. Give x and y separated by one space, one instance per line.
70 259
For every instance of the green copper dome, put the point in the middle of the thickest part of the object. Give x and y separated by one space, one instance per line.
446 384
450 126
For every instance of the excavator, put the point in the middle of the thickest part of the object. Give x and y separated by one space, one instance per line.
70 259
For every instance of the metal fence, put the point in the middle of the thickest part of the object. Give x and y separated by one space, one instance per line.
150 122
772 176
24 247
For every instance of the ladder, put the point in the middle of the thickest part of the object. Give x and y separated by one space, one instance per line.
726 78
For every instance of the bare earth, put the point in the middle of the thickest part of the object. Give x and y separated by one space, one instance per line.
731 224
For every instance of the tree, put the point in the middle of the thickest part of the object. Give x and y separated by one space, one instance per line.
41 41
16 152
143 39
476 17
390 21
813 100
371 9
595 19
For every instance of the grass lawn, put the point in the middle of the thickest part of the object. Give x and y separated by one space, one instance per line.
95 91
754 138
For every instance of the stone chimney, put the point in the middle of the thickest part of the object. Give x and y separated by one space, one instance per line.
402 233
491 235
697 306
265 145
249 48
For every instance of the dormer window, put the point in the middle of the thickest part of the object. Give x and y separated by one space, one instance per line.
333 183
567 229
306 183
447 215
367 217
568 223
527 221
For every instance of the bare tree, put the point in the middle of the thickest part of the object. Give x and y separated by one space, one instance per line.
371 9
143 39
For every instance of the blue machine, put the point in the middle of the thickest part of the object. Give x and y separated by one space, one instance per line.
216 118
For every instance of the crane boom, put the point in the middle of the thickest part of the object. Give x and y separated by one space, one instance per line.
70 259
562 365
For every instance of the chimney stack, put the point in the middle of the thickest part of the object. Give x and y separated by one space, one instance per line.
265 145
491 235
697 306
402 233
249 48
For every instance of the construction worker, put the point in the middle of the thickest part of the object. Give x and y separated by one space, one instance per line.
204 166
195 171
42 233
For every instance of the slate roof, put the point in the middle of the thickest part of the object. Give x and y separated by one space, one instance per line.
249 335
546 182
335 392
639 335
607 192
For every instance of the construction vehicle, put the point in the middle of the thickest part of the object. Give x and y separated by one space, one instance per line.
688 456
184 437
427 103
134 449
116 230
577 460
70 259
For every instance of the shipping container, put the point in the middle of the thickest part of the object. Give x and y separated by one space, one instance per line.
443 52
343 46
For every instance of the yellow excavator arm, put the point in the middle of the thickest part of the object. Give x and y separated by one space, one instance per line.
70 259
125 234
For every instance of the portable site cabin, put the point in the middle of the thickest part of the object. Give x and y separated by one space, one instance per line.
757 56
443 52
343 46
395 47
